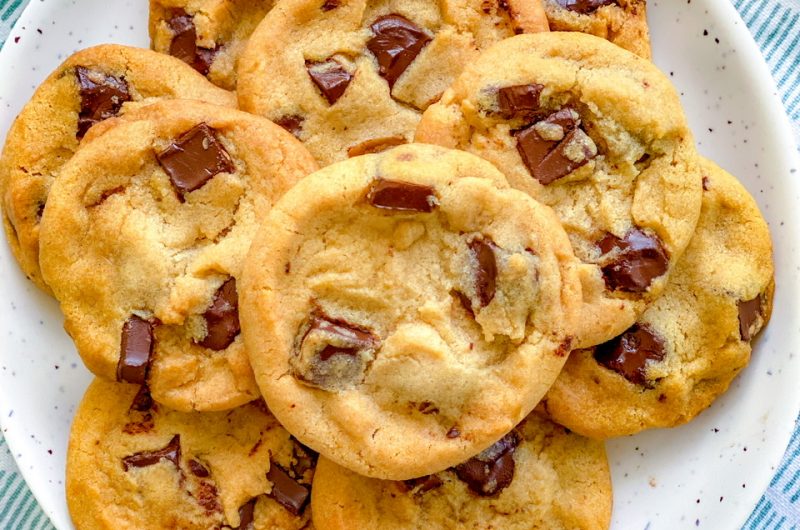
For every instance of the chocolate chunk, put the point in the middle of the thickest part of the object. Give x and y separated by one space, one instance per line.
491 471
198 469
751 317
375 145
135 351
171 452
222 318
101 95
348 338
519 100
184 42
292 123
637 260
142 401
330 77
331 4
630 353
401 196
396 43
288 492
555 146
453 432
247 515
194 158
584 6
483 256
424 484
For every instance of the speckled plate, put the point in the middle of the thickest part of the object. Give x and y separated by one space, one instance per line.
708 474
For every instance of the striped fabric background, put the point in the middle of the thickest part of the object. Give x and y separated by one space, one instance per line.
775 25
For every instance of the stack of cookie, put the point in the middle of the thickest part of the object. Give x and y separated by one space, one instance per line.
512 252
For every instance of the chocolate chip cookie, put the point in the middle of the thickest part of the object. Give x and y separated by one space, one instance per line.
350 77
623 22
684 351
133 464
599 135
90 86
209 35
143 242
402 311
537 476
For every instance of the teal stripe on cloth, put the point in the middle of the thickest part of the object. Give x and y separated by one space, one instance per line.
775 27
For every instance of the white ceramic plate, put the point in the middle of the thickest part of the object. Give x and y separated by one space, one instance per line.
708 474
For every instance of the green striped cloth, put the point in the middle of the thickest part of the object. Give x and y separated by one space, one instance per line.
775 24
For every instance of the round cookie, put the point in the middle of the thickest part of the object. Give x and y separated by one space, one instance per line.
209 35
132 464
538 476
686 349
623 22
402 311
92 85
143 241
350 77
599 135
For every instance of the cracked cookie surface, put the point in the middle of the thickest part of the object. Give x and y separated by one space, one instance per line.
537 476
209 35
92 85
143 242
132 464
402 311
350 77
685 350
599 135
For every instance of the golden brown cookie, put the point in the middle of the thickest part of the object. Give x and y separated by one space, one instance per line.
686 349
91 86
143 242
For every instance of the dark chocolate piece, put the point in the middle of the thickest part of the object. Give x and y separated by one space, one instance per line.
330 77
401 196
331 4
171 452
194 158
287 491
453 432
247 515
222 318
142 401
292 123
351 338
519 100
375 145
640 258
136 348
424 484
101 95
482 251
584 6
750 317
184 42
492 470
198 469
630 353
396 43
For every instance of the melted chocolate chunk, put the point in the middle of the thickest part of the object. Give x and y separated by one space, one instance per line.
194 158
330 77
375 145
184 42
222 318
396 43
750 317
208 497
640 258
482 250
171 452
198 469
136 349
519 100
331 4
287 491
630 353
453 432
349 338
401 196
101 95
142 401
292 123
555 146
424 484
247 515
584 6
491 471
